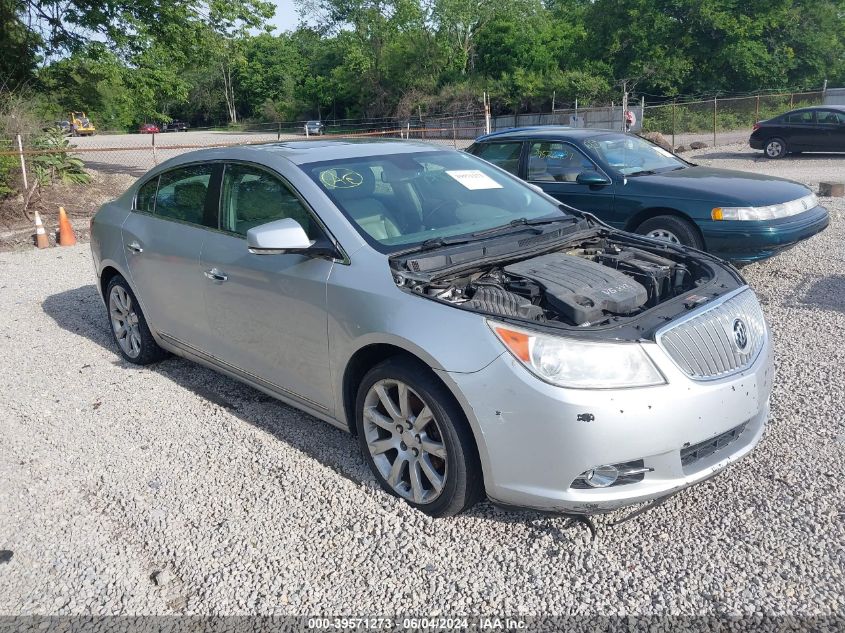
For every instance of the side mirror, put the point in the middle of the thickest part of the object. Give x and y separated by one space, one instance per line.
591 178
277 237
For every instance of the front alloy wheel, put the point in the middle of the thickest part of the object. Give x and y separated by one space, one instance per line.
416 439
405 441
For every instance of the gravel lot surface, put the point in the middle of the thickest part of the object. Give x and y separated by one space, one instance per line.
173 489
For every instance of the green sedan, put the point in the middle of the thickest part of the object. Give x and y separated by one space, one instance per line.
637 186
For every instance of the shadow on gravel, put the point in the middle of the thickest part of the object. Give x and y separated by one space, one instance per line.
81 312
827 293
117 168
726 155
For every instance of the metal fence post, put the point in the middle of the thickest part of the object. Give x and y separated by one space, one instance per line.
454 135
673 123
23 164
714 121
757 111
155 157
279 132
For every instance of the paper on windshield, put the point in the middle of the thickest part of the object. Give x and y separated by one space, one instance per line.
473 179
660 150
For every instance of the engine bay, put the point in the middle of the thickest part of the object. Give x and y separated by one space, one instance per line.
593 282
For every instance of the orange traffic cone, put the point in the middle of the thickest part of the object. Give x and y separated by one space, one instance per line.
41 240
66 234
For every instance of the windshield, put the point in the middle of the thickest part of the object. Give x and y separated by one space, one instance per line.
630 155
401 200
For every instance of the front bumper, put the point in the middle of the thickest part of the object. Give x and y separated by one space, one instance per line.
741 241
537 438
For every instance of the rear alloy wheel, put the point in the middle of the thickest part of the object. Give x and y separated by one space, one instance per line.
672 229
415 439
775 148
128 325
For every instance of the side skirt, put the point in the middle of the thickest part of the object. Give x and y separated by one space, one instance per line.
289 398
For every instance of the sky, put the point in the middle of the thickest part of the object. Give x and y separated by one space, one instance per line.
286 17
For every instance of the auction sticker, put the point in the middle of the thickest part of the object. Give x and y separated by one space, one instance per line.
473 179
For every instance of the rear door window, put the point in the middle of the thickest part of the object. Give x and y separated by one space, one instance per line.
801 118
504 155
182 195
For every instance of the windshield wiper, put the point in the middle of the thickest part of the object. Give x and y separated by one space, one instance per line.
520 222
644 172
439 242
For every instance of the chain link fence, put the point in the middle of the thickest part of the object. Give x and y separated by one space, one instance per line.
713 121
719 121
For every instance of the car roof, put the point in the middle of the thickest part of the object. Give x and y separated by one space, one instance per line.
545 131
840 108
304 152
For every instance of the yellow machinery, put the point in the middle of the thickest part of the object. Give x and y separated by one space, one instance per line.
80 125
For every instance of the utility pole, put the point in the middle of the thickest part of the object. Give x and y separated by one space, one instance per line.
642 113
486 113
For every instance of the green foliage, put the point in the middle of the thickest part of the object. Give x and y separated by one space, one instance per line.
215 62
54 163
9 170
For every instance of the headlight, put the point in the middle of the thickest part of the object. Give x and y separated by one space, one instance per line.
772 212
579 364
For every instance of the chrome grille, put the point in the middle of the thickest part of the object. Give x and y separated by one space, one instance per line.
692 454
705 345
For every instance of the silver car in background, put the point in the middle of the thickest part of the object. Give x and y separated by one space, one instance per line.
477 336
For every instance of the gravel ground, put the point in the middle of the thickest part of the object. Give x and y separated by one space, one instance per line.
806 168
173 490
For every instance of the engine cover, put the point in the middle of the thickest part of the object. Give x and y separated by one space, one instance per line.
581 289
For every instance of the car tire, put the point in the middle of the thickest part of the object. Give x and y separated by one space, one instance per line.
775 148
673 229
434 467
137 344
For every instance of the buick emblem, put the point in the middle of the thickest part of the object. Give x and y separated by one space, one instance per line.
740 335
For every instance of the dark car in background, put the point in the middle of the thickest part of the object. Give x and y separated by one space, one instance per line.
175 126
314 127
148 128
818 129
637 186
64 126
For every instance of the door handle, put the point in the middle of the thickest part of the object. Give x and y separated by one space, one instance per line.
135 247
216 275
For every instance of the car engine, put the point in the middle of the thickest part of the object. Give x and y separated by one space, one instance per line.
591 283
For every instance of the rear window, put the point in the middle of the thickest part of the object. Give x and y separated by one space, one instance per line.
146 198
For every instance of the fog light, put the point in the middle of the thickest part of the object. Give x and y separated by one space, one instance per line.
601 476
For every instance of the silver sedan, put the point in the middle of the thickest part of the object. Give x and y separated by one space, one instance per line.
478 337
